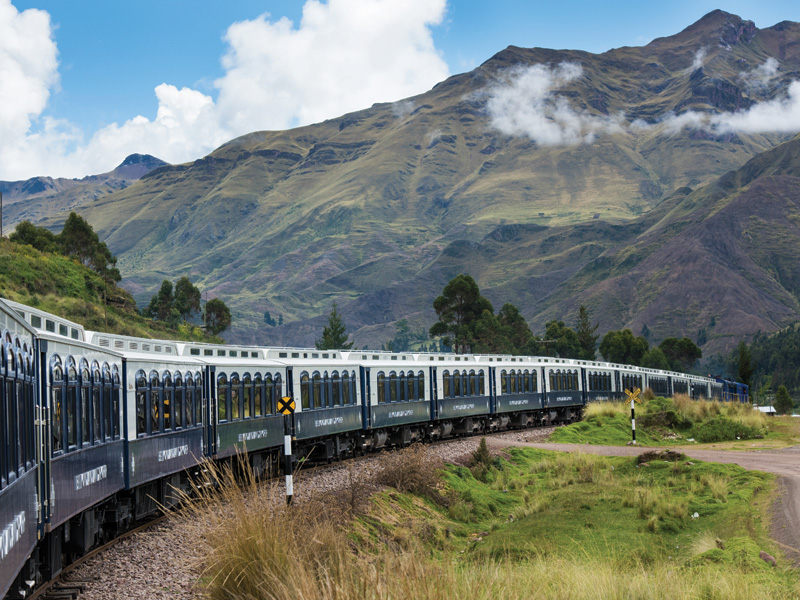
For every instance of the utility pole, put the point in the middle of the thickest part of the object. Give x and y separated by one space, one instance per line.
1 214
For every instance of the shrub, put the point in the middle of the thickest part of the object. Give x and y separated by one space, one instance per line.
721 429
411 470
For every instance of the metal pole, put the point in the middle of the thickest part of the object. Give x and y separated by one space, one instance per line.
1 214
287 454
633 421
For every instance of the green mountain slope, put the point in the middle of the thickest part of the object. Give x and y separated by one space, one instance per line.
379 208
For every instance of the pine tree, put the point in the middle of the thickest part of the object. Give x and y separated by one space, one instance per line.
783 401
586 334
334 335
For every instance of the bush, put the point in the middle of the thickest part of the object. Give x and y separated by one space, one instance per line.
662 412
722 429
411 470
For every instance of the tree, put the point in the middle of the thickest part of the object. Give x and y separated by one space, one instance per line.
78 239
458 309
217 316
622 347
586 334
561 341
654 358
161 304
187 298
681 353
515 328
40 238
334 335
745 364
401 341
783 402
490 337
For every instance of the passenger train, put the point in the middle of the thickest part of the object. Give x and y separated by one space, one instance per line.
97 430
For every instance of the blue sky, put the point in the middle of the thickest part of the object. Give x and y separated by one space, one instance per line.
91 81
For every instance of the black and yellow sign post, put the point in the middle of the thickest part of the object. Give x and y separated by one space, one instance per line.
634 397
286 408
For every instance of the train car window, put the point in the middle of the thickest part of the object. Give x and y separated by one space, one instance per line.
247 396
115 391
258 394
347 388
316 390
458 388
411 386
503 382
156 414
327 390
305 391
36 321
278 393
381 388
56 404
513 376
179 398
63 330
446 384
392 387
191 399
141 404
168 400
85 407
420 385
97 400
108 403
222 398
198 398
336 387
50 325
236 398
72 405
270 397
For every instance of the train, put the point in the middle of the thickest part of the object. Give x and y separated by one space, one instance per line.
99 431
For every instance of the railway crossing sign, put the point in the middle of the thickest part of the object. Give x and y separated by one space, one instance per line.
286 405
634 395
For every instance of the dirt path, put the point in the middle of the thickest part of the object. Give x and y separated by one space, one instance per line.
785 522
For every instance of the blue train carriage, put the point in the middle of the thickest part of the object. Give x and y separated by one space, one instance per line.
243 404
20 452
396 410
517 391
163 403
461 393
328 411
564 389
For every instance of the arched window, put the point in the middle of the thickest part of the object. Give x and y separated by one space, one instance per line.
421 384
156 416
258 395
57 412
247 395
85 403
503 382
141 404
534 381
97 402
456 384
446 384
108 403
392 387
305 391
346 388
270 395
236 397
168 407
180 401
222 397
402 395
317 389
336 389
514 378
198 398
381 388
190 399
278 391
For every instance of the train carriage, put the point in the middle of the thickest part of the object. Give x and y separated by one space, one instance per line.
245 388
461 394
20 456
565 391
326 390
517 388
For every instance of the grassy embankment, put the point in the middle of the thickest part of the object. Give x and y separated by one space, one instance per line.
64 287
534 524
681 421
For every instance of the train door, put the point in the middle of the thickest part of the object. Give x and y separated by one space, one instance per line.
210 407
543 379
43 440
366 395
434 394
492 391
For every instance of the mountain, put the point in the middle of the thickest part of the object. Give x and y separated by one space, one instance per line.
554 177
37 197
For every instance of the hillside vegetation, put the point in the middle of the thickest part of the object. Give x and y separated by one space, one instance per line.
62 286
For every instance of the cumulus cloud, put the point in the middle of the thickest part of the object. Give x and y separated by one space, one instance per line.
344 55
525 103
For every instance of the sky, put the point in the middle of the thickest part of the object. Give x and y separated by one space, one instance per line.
85 83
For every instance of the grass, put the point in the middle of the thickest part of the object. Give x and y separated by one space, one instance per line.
663 421
540 524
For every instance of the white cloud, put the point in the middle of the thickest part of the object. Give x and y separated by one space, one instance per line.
343 56
761 76
699 59
524 103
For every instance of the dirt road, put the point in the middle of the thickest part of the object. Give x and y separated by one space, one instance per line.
785 523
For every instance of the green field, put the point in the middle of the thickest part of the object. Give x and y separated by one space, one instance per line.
527 524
